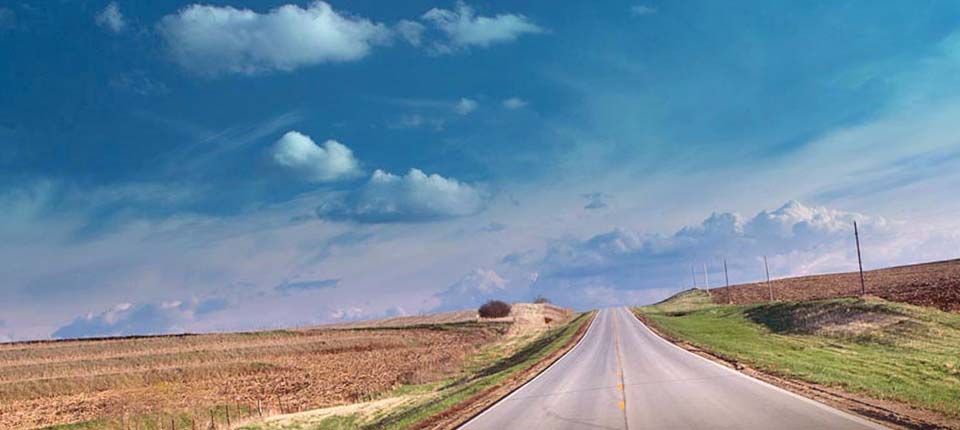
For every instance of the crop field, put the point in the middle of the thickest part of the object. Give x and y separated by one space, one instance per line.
142 382
931 284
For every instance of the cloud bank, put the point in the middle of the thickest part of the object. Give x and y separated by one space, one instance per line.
214 40
332 161
798 239
414 197
126 319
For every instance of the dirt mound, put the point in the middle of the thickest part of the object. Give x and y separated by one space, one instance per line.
929 284
530 318
847 318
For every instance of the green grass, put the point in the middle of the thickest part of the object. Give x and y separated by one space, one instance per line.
481 377
881 349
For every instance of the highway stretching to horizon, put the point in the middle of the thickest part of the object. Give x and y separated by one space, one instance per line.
623 376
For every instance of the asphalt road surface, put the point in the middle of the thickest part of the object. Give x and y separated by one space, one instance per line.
623 376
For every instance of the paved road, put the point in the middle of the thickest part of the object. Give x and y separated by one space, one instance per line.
622 376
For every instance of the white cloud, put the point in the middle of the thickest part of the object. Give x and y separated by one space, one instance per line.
411 31
330 162
514 103
463 28
111 18
214 40
797 239
413 197
351 313
465 106
125 319
641 9
473 289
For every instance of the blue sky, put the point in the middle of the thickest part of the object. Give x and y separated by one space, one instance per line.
171 166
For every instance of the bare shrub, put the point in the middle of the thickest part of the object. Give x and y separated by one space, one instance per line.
494 309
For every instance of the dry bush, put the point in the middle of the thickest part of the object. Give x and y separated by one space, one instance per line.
494 309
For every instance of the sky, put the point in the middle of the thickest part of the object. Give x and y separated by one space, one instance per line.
173 166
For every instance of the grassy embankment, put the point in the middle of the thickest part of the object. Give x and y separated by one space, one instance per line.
873 347
484 370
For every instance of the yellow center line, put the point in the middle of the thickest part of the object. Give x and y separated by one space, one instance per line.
620 384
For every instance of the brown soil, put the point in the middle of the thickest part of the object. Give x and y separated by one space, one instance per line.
48 383
930 284
896 415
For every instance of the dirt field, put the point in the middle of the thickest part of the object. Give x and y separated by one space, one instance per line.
408 321
47 383
929 284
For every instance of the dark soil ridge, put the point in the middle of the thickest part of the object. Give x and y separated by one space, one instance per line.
934 284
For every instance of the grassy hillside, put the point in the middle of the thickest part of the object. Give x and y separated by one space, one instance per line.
882 349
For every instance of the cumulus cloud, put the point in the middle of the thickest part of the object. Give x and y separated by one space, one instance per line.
413 197
798 240
111 18
464 29
514 103
214 40
329 162
465 106
473 289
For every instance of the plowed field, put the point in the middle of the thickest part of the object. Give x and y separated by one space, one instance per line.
48 383
929 284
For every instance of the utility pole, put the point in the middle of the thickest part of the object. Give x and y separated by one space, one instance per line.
726 276
706 282
706 278
856 235
766 267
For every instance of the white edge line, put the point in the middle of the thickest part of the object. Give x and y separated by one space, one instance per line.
525 384
828 408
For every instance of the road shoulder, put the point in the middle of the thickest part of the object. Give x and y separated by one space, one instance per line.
889 413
